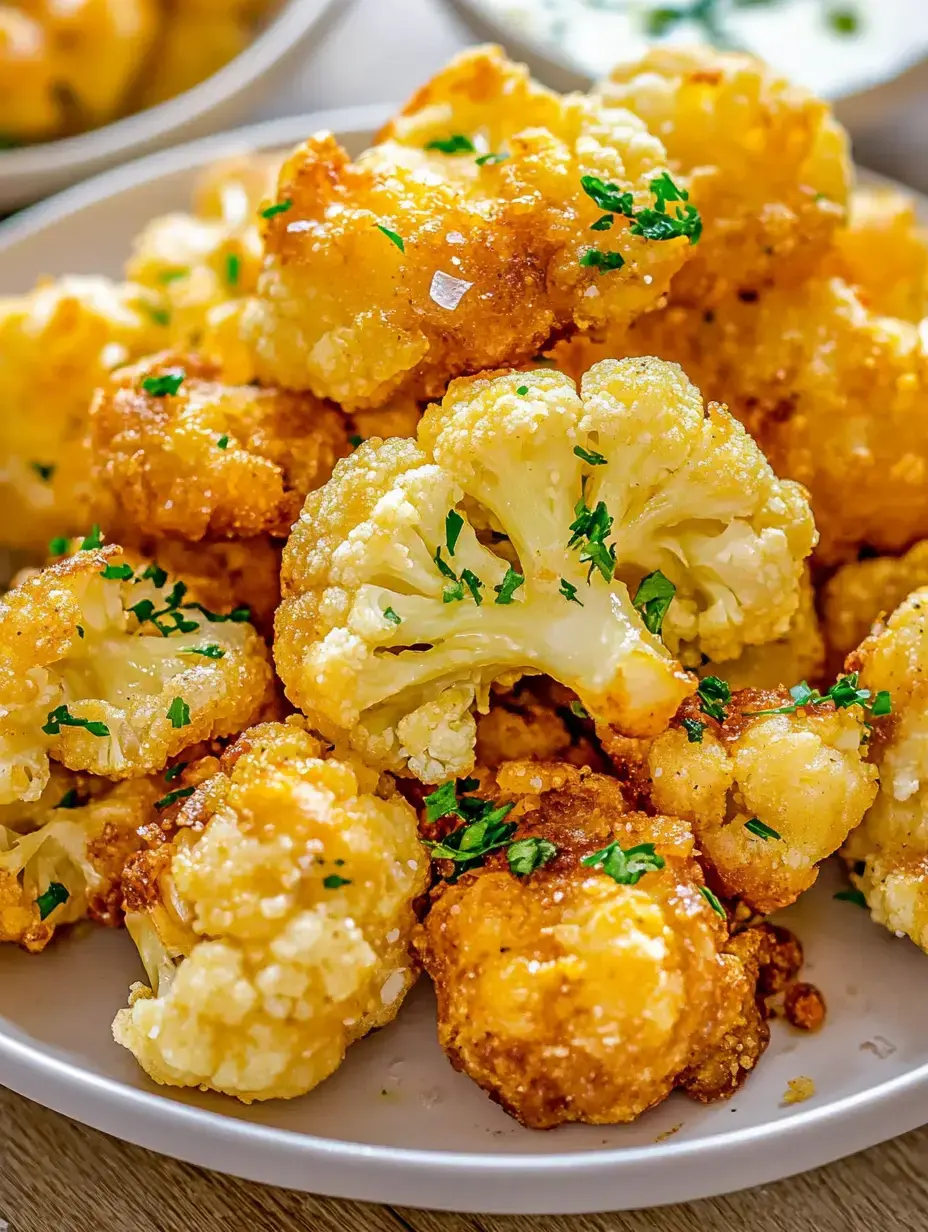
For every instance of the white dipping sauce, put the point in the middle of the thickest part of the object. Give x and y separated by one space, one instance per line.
795 36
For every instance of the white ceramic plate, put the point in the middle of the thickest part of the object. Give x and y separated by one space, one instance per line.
31 172
396 1124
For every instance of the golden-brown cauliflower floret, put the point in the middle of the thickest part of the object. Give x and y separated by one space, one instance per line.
56 345
61 858
532 722
29 107
580 972
191 48
397 617
176 452
766 163
883 253
114 670
889 852
768 795
470 259
275 923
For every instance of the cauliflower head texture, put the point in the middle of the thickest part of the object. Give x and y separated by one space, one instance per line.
467 229
581 974
769 795
177 452
274 921
765 161
113 670
397 615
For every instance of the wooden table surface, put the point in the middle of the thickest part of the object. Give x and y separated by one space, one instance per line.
57 1176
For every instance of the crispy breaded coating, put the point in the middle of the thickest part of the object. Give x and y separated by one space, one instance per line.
209 460
530 722
417 263
56 345
275 921
114 670
61 858
565 994
765 162
769 796
397 617
888 854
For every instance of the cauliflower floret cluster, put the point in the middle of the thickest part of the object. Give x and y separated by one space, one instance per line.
770 787
581 972
177 452
275 921
62 857
492 215
28 107
765 161
114 670
627 510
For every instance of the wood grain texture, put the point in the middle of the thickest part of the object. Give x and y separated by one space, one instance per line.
57 1176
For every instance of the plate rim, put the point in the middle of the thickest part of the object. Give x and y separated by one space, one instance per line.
610 1178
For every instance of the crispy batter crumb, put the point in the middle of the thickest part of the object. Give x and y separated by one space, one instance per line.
804 1007
669 1133
798 1090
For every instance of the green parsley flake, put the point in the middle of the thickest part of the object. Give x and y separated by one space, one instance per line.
526 855
355 441
281 207
603 261
44 470
473 584
61 716
756 826
53 897
851 896
607 196
590 456
208 652
843 21
603 224
93 540
694 730
59 546
116 573
453 524
508 586
452 592
70 800
625 867
167 383
334 882
392 616
160 316
179 713
522 391
80 632
156 575
441 802
175 771
653 597
457 143
490 160
578 709
233 268
569 591
714 695
392 237
468 845
179 793
713 901
592 526
172 275
223 442
843 694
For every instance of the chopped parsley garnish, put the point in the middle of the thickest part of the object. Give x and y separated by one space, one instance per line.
49 899
851 896
652 599
61 716
59 545
160 316
602 224
508 586
392 237
693 729
233 268
69 800
155 574
473 584
44 470
569 591
208 652
453 524
657 224
334 882
579 710
843 693
625 867
756 826
713 901
175 771
355 441
80 632
714 695
526 855
452 592
603 261
607 196
392 616
93 540
444 800
490 159
179 793
116 573
589 456
280 207
172 275
443 568
238 615
843 21
223 442
457 143
592 526
167 383
522 391
486 831
179 713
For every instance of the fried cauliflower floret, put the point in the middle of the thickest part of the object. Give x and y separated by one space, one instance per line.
468 262
889 852
769 796
765 161
56 345
29 108
860 593
275 923
883 253
191 48
208 460
397 617
61 858
531 722
109 671
565 993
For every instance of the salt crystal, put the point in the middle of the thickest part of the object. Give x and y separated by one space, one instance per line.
447 291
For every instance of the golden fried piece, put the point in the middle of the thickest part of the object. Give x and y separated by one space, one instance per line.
765 162
860 593
888 854
191 48
769 796
176 452
582 991
29 108
531 722
883 253
433 255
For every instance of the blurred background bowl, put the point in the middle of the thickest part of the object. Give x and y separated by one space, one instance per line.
33 171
